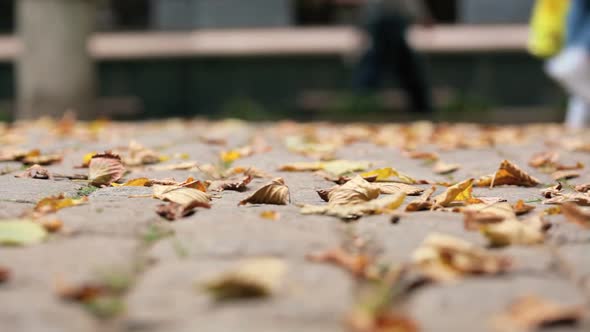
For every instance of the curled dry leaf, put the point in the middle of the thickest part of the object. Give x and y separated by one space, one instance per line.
252 278
531 312
35 157
174 211
355 191
385 174
275 192
357 264
35 172
552 191
105 169
182 195
84 293
140 155
423 202
139 182
445 258
183 166
577 198
576 215
508 174
51 225
335 167
476 216
4 274
380 205
421 155
235 185
565 175
53 204
521 208
445 168
513 231
544 159
459 192
21 233
583 188
390 188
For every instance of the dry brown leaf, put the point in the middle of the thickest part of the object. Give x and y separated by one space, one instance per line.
355 191
174 211
445 168
583 188
5 274
508 174
552 191
477 215
35 157
446 258
252 278
578 198
184 196
544 159
513 231
381 205
521 208
51 225
458 192
576 215
275 192
334 167
530 313
140 155
363 321
565 175
139 182
235 185
356 264
105 169
53 204
183 166
423 202
390 188
421 155
36 172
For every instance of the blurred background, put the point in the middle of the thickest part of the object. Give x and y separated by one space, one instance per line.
263 60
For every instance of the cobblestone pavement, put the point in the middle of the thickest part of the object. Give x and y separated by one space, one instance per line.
118 233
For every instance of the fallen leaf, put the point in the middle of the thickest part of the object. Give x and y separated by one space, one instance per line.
51 225
181 195
335 167
82 293
302 167
384 174
521 208
544 159
139 182
530 313
477 215
36 172
356 264
183 166
578 198
270 215
252 278
105 169
565 175
380 205
140 155
445 168
508 174
444 258
554 210
235 185
35 157
21 233
552 191
583 188
53 204
4 275
275 192
355 191
424 202
513 231
86 159
576 215
389 188
458 192
174 211
421 155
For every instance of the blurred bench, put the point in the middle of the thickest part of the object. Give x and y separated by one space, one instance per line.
287 42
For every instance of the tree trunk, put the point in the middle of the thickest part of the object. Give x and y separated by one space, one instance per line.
55 71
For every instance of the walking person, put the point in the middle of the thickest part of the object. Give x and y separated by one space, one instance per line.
389 53
571 67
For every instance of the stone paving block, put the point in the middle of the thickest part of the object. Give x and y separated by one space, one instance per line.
313 297
32 190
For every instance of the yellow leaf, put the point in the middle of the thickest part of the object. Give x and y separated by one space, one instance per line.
275 192
458 192
271 215
230 156
381 205
381 174
55 203
139 182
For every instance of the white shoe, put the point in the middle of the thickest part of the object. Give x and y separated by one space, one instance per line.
578 113
572 69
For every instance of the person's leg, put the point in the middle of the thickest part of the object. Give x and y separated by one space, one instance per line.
407 65
367 74
578 113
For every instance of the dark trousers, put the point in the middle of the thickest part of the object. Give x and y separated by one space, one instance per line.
390 54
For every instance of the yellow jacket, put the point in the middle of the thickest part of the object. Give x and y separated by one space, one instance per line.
548 25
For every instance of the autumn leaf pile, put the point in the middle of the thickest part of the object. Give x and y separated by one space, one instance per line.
351 183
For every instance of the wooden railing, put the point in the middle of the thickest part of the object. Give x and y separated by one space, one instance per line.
286 42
